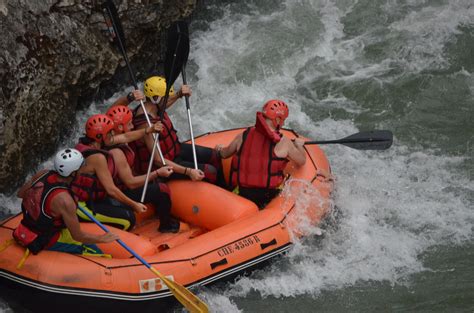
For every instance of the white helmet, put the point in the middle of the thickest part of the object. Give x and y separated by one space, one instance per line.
67 161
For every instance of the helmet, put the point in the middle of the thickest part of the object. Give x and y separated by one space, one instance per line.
156 86
98 126
274 109
120 115
67 161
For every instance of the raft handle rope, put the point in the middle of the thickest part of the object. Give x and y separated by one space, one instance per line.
6 244
23 259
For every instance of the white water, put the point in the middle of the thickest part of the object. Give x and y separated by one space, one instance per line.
394 205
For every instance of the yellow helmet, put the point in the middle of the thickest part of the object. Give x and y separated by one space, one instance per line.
156 86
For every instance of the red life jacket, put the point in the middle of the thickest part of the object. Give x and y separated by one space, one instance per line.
255 165
169 142
87 186
130 156
38 226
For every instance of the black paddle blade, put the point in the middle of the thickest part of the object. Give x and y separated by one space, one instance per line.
369 140
113 23
177 52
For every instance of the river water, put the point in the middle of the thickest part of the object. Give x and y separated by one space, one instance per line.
402 238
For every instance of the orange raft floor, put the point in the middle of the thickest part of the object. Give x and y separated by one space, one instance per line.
221 234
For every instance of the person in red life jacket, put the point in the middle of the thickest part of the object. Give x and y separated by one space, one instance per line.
260 155
178 155
95 181
49 211
157 192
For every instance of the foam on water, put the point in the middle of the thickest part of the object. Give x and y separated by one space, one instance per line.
4 308
426 31
392 209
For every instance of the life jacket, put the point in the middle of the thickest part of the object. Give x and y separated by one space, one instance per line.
130 156
255 165
87 187
169 142
39 226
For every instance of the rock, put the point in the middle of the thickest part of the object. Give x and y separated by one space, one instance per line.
55 57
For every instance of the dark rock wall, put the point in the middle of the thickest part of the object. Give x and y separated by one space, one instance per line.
56 57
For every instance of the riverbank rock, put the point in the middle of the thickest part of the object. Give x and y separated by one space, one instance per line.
55 57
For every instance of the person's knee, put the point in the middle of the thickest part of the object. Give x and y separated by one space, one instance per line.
164 189
163 200
210 173
131 221
215 159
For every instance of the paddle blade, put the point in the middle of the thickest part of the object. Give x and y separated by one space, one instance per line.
112 21
189 300
177 52
369 140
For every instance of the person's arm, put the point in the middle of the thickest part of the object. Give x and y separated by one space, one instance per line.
64 205
188 171
296 152
133 135
231 149
184 91
126 175
99 163
135 95
27 185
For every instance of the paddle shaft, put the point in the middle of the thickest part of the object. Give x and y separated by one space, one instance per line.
150 165
183 74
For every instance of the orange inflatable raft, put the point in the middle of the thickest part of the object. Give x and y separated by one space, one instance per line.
221 235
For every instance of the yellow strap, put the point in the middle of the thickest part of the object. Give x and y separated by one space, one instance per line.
6 244
88 251
103 218
23 259
102 255
236 190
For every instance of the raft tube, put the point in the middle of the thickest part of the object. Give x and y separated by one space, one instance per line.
221 235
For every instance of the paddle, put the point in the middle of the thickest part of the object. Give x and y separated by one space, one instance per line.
116 32
190 301
368 140
180 29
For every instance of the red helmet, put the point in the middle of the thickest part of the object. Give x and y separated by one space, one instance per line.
98 126
120 115
274 109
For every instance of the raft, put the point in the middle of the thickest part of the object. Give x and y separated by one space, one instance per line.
221 236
